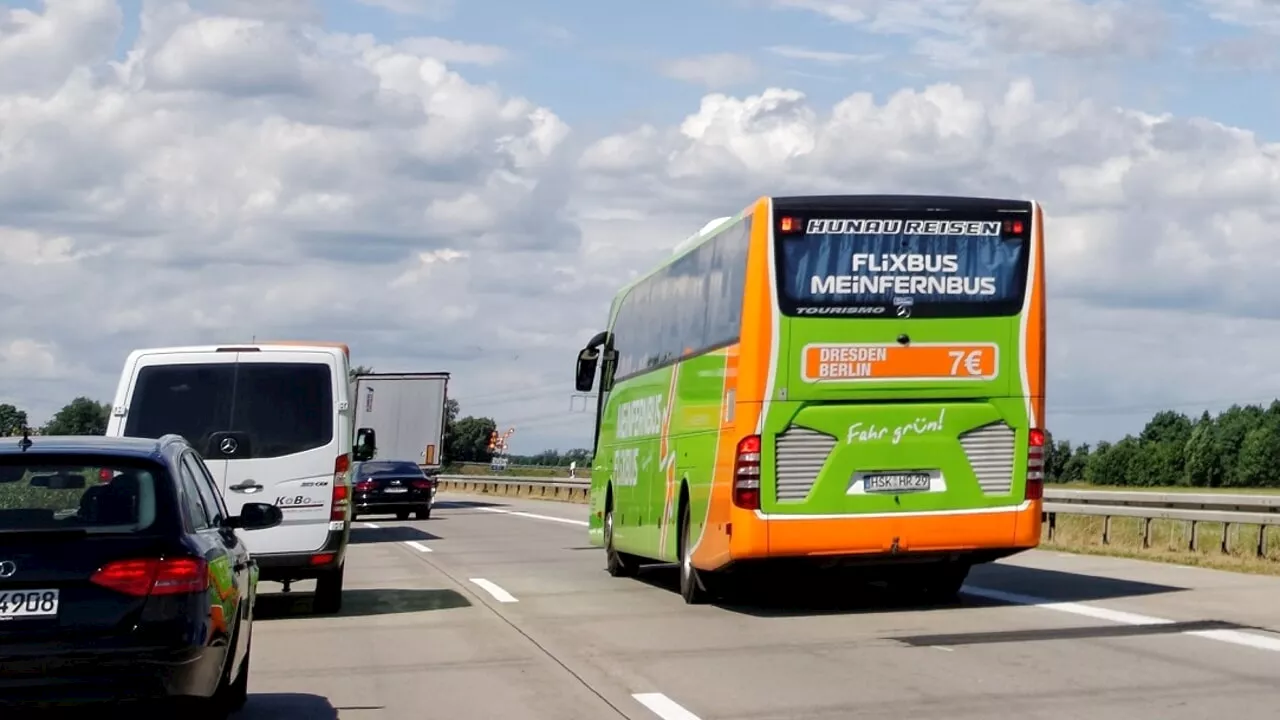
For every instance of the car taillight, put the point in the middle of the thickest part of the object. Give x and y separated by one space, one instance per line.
154 576
422 484
746 474
341 491
1035 464
365 486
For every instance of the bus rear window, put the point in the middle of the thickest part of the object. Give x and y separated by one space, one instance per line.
902 267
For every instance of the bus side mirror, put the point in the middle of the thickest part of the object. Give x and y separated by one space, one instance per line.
366 444
586 370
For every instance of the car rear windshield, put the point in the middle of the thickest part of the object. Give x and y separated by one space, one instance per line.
100 495
284 408
390 467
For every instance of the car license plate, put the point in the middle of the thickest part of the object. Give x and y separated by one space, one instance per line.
396 490
897 482
23 604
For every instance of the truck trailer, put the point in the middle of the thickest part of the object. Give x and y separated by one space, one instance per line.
407 411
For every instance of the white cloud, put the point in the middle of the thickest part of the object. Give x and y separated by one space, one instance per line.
1261 14
242 176
967 32
827 57
452 51
39 50
716 70
431 9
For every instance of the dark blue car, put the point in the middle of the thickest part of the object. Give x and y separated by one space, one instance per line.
121 575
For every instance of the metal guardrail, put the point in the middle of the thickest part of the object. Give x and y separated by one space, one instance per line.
1192 508
575 491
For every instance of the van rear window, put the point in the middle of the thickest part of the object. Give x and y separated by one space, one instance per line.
284 408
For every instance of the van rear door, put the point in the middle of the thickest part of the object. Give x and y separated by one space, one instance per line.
188 394
284 419
266 423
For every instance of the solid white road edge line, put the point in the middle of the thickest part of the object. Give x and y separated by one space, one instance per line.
664 707
1234 637
535 516
497 592
417 546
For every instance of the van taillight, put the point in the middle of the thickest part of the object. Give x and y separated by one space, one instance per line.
746 474
154 576
1035 464
341 491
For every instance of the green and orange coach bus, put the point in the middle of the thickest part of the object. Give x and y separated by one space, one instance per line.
830 380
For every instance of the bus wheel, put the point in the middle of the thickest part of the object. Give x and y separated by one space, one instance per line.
692 588
616 563
944 586
937 584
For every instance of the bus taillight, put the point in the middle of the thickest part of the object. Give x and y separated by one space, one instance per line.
1035 464
746 474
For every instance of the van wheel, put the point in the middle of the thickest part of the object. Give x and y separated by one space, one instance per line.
329 591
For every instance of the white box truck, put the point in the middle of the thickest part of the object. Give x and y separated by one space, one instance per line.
407 413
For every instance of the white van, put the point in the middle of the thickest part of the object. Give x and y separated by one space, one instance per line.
274 424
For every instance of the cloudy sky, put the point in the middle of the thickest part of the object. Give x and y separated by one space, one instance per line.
461 184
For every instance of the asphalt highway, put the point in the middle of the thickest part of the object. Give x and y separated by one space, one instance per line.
498 608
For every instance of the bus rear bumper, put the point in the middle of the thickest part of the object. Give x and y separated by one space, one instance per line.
977 536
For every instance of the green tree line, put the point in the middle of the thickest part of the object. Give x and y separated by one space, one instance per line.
82 416
1238 448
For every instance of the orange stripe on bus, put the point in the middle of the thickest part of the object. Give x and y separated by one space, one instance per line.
1034 352
746 377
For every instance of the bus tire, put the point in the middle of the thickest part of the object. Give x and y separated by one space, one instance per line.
618 564
937 584
945 584
692 587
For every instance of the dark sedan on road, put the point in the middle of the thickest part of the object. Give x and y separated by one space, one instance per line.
121 575
392 486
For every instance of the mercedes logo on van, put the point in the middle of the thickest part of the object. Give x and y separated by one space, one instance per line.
228 446
8 568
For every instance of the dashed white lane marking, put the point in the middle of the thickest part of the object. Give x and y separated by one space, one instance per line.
417 546
535 516
1234 637
664 707
493 589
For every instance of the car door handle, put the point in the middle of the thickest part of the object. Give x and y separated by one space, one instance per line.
248 487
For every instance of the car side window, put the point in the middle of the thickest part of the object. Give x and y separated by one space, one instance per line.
212 500
191 498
